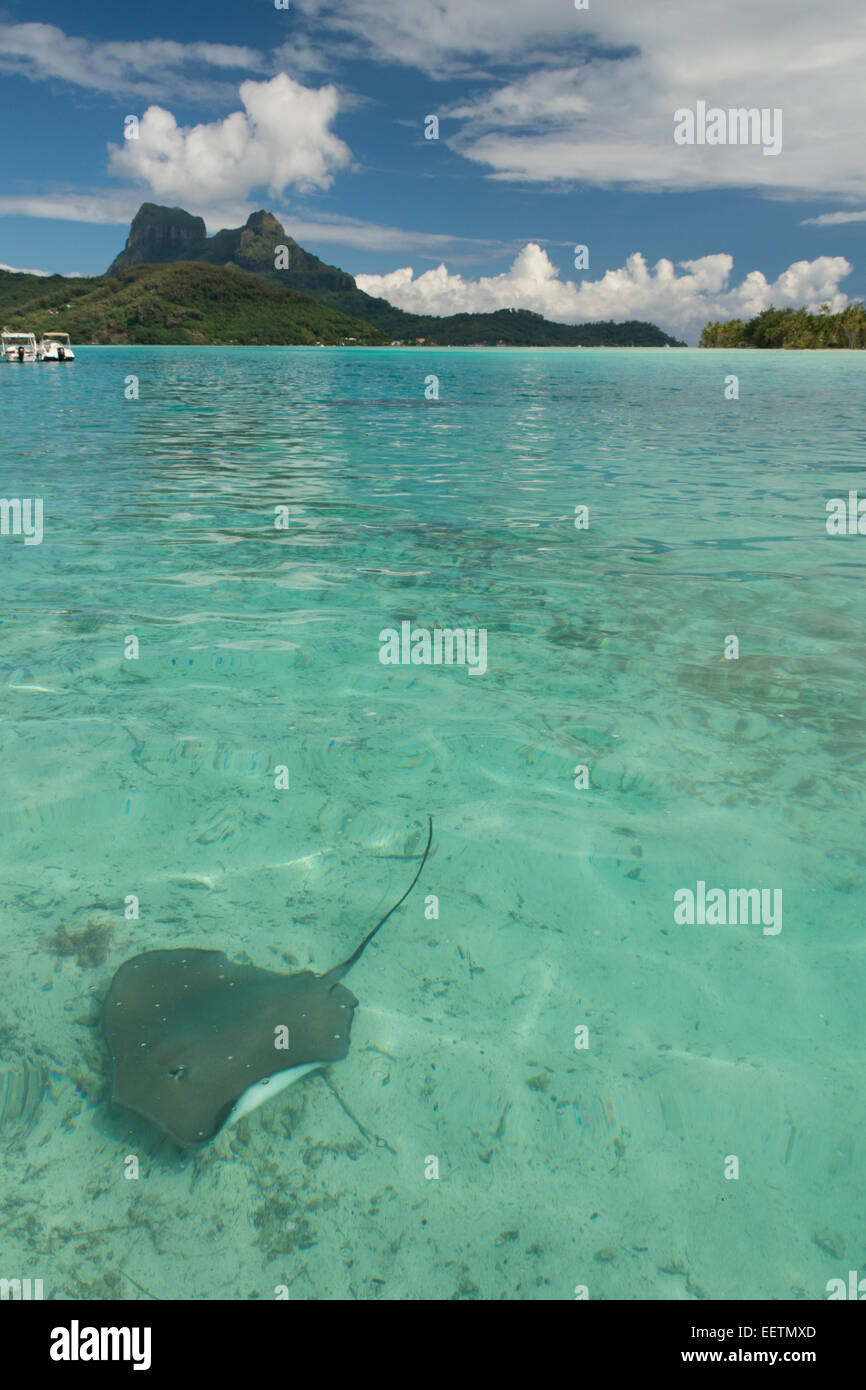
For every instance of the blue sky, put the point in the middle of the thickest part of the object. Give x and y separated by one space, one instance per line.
556 128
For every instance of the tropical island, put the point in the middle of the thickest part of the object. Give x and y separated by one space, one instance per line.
174 284
791 328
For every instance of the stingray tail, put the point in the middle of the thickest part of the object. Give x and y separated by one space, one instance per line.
339 971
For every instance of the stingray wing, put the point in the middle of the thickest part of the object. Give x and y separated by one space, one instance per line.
190 1032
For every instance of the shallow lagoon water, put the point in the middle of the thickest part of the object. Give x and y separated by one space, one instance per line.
559 1166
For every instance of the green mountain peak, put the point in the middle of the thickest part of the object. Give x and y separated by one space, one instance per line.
172 283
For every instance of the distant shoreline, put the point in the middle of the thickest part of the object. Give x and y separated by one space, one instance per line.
404 347
792 330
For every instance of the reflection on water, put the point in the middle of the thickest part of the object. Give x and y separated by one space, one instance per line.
154 779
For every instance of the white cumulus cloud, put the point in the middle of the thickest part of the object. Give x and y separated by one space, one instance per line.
282 137
679 300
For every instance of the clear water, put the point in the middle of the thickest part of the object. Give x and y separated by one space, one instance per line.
559 1166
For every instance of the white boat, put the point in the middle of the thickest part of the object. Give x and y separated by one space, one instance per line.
55 347
17 347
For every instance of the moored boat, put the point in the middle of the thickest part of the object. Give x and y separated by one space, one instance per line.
17 347
55 347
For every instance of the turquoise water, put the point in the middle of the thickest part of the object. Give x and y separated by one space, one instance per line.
559 1166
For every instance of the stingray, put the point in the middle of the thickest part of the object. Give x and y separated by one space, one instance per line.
198 1040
